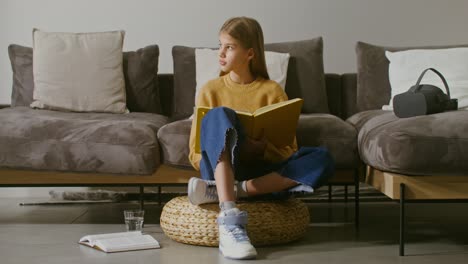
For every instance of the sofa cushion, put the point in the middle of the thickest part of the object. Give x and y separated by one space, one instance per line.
372 74
305 78
174 140
333 133
313 130
424 145
80 142
406 66
358 120
79 72
21 59
140 72
141 79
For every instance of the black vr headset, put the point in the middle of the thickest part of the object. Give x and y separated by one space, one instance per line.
424 99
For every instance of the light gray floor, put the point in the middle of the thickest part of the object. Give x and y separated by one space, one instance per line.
49 234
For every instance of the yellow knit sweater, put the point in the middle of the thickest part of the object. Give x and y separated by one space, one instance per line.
249 97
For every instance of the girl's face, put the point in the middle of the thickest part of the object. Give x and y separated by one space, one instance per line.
232 56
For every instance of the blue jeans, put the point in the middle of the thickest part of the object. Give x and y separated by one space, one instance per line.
221 130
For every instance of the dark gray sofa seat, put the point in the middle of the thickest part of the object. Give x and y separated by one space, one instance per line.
80 142
313 130
174 141
333 133
425 145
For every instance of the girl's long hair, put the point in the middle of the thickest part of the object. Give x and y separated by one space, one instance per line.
250 35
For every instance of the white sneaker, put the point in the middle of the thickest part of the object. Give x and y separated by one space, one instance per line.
300 190
233 240
201 191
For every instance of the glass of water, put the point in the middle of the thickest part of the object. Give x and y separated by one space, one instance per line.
134 219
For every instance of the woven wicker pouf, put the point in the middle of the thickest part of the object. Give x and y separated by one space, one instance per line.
269 222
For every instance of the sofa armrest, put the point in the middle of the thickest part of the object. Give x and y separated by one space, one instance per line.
349 94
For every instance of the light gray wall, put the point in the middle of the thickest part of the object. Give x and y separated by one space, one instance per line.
196 23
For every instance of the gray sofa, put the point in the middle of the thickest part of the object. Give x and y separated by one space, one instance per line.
418 158
407 159
53 148
149 146
84 142
432 145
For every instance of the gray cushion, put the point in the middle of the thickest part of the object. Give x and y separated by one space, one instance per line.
305 77
313 130
141 79
174 140
333 133
360 119
424 145
372 68
81 142
23 83
140 71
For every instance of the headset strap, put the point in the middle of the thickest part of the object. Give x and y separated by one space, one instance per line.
418 87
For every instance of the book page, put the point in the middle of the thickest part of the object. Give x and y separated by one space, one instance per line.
274 106
91 239
127 243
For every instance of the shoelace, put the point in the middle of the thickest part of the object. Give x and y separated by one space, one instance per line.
210 183
211 192
300 190
238 232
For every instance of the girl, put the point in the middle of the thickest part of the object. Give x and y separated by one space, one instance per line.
227 155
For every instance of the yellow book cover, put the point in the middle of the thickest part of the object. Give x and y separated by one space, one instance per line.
277 122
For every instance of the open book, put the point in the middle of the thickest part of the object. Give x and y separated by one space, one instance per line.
276 122
116 242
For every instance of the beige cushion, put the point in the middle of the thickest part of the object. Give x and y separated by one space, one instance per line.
79 71
140 68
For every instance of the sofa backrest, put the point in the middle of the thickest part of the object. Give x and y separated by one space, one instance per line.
139 68
341 94
373 84
348 95
305 75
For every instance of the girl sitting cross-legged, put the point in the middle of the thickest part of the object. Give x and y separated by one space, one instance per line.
233 165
